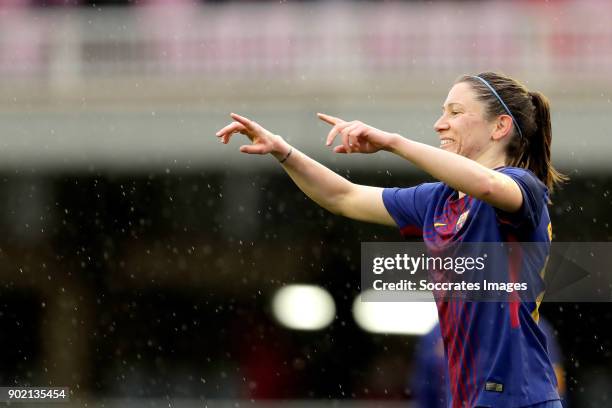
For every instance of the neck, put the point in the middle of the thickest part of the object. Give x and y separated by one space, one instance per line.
492 160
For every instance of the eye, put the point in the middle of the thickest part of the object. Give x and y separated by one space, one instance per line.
454 113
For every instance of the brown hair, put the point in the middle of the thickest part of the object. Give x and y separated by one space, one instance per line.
531 111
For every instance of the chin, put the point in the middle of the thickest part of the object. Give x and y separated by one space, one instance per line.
449 149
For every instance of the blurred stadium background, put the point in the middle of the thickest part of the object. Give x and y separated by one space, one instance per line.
140 259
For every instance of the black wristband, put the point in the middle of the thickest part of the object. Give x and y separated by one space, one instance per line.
287 156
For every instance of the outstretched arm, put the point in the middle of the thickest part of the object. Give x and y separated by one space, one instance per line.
461 173
328 189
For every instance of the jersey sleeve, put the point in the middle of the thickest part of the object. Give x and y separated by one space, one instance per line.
535 197
407 206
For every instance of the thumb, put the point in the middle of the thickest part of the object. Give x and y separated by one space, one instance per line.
253 149
340 149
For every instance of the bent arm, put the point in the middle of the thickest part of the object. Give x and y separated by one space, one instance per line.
461 173
323 186
332 191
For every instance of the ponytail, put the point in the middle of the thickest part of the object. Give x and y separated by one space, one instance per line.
537 157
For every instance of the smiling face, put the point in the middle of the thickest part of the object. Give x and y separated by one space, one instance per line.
463 127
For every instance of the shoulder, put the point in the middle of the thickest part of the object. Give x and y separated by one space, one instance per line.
521 173
526 180
515 171
423 190
408 206
422 186
534 199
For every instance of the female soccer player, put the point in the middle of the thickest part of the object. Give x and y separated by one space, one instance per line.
495 172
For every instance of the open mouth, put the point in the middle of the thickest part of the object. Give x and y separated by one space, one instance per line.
445 142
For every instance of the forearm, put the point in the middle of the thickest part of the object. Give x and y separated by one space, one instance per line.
319 183
459 172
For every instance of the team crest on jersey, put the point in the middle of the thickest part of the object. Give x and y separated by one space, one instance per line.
461 220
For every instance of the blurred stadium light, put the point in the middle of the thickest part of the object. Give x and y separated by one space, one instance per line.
395 317
303 307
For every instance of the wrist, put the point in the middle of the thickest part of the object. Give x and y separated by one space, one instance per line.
394 140
280 148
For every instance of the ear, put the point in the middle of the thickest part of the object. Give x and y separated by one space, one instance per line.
503 126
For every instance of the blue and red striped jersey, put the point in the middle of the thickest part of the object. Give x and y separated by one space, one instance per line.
496 352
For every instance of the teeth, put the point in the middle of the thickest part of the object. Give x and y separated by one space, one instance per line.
445 141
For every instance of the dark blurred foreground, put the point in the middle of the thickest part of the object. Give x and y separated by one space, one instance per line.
159 286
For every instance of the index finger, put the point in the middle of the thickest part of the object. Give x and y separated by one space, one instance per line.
334 132
332 120
248 123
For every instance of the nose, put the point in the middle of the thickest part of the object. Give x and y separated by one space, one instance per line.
440 124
